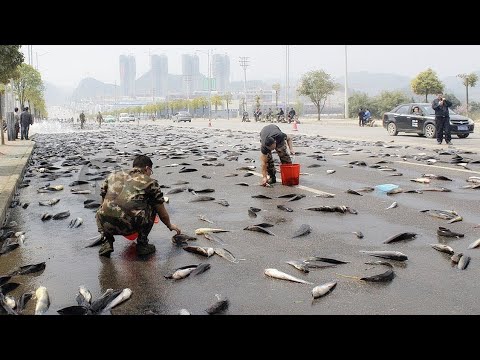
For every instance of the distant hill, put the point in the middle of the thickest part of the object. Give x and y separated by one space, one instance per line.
374 83
92 88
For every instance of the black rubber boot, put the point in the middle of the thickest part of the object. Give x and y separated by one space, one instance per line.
107 246
143 247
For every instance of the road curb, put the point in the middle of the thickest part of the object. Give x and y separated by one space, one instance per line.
7 195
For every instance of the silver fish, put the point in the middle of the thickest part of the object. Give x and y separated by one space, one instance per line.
276 274
50 202
359 234
322 290
463 262
259 229
123 296
394 205
474 244
43 301
181 272
203 218
303 230
300 265
201 231
456 258
184 312
394 255
224 253
205 251
75 223
399 237
443 248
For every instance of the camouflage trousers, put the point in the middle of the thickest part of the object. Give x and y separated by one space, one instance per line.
141 224
282 154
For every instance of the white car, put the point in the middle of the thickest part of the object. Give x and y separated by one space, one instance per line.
182 116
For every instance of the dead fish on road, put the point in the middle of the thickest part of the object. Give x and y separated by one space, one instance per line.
264 225
383 277
84 297
75 223
227 255
28 269
92 205
299 265
181 239
260 197
78 182
259 229
421 180
176 190
330 172
204 251
442 214
78 191
61 215
252 214
219 306
297 197
341 209
456 258
463 262
43 301
50 202
455 219
474 244
202 198
55 188
95 241
322 290
222 202
284 208
181 272
203 218
74 310
242 184
436 177
327 260
276 274
443 248
201 231
399 237
394 205
394 255
186 170
350 191
201 191
359 234
302 231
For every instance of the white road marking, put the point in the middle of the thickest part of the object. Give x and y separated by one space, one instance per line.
439 167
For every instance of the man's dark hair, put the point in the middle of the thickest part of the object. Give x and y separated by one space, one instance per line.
26 108
16 109
269 141
141 161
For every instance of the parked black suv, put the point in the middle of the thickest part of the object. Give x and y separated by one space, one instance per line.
402 119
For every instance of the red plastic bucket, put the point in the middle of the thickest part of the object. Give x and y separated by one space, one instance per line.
135 235
290 174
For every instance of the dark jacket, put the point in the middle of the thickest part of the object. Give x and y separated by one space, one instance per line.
25 118
441 110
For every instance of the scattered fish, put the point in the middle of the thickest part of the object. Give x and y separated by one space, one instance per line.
259 229
181 239
443 248
394 255
50 202
276 274
359 234
456 258
463 262
28 269
204 251
442 231
201 231
61 215
284 208
474 244
322 290
181 272
43 301
302 231
300 265
227 255
219 306
203 218
394 205
75 223
399 237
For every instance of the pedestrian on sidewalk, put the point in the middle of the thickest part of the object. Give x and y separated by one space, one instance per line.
82 119
272 138
130 201
99 119
17 122
25 121
361 114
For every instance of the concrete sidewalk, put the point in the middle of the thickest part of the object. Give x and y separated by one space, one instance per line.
14 156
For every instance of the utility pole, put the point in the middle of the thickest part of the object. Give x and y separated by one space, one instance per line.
346 86
287 77
244 64
188 80
209 88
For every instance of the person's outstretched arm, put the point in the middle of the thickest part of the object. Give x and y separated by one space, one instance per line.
165 218
290 144
263 160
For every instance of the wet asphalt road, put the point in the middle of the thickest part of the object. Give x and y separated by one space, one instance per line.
425 284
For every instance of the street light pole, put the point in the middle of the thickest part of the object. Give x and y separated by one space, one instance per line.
346 86
209 88
244 65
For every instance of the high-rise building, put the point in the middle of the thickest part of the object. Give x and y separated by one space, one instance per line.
160 75
191 73
127 75
221 72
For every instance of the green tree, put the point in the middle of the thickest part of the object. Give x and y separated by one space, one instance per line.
468 80
299 105
228 99
317 85
216 101
455 102
10 59
426 83
360 100
29 84
387 100
276 87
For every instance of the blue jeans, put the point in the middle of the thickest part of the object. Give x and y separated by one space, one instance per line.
24 132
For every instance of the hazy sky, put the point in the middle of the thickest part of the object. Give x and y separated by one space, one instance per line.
66 65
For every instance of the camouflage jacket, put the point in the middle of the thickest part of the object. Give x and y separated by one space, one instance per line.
129 193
